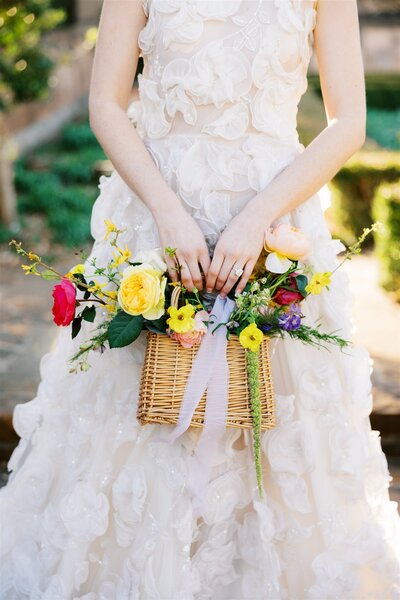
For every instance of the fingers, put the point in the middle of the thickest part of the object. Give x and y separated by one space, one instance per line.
171 268
195 274
214 270
186 274
205 260
231 278
245 277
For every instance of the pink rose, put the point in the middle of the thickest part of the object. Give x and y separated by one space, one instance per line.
287 241
64 295
193 337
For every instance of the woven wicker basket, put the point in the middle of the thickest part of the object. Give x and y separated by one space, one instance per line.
166 367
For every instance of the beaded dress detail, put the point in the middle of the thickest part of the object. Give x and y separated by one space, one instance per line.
94 510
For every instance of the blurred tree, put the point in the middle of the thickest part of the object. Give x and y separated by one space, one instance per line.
24 73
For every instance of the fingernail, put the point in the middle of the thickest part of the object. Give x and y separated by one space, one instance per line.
209 289
222 295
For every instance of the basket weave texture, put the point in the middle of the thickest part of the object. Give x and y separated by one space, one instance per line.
165 371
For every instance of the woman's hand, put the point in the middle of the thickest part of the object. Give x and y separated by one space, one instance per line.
238 247
179 230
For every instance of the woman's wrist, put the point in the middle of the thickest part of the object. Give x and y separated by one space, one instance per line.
262 209
169 208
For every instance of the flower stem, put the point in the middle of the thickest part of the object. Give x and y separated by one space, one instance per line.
253 375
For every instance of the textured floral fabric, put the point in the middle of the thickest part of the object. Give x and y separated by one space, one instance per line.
94 510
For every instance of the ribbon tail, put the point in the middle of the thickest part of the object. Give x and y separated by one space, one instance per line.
198 378
214 419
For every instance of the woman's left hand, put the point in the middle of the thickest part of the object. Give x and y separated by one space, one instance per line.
238 247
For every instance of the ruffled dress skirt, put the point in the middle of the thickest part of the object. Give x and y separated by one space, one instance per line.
94 510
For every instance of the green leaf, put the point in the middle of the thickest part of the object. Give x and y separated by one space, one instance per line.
156 325
76 326
302 281
81 277
49 275
89 313
124 329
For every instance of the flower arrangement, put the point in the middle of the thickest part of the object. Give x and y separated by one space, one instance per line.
135 293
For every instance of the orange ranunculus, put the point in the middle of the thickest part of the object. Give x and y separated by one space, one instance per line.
194 336
288 241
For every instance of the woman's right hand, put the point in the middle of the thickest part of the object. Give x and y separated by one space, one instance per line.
178 229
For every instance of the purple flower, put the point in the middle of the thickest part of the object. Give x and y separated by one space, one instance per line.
266 327
290 320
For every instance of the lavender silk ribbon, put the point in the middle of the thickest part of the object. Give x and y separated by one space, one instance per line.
209 371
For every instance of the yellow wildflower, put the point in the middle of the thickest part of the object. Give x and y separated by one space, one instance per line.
29 269
79 268
181 319
111 228
96 288
251 337
33 256
124 254
317 282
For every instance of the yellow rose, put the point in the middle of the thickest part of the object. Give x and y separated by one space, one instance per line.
142 291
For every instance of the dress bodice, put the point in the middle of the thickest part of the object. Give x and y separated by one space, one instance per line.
223 68
218 100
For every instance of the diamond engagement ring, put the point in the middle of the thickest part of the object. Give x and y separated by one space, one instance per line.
238 272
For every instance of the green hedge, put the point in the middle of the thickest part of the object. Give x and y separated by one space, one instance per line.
62 183
383 126
353 189
386 209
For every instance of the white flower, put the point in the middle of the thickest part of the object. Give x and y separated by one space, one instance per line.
153 258
277 263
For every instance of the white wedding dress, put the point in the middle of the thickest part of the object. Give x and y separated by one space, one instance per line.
94 510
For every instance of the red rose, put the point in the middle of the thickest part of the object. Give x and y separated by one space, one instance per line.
284 297
64 295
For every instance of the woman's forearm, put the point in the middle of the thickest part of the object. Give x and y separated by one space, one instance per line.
311 169
130 157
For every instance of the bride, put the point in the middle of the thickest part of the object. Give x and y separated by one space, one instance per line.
205 162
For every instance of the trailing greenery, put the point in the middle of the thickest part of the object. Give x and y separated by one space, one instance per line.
64 188
353 189
253 376
386 209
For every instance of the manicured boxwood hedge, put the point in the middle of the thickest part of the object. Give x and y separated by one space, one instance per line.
386 209
353 189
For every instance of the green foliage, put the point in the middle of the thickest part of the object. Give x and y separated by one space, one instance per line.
383 126
124 329
64 191
24 65
77 135
386 209
79 165
353 189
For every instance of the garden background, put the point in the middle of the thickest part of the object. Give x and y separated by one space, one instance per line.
50 164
